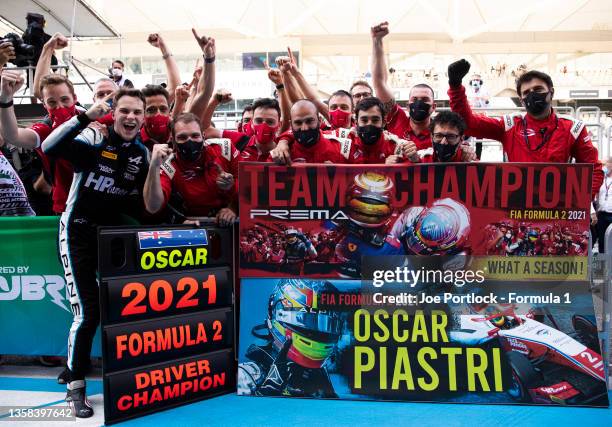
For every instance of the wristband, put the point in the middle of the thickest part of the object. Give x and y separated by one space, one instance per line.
209 60
166 55
6 104
280 86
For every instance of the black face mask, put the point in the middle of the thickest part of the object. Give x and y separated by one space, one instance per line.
445 152
419 110
536 103
308 137
369 134
190 150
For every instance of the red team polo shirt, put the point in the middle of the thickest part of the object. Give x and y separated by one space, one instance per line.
60 170
387 145
556 139
247 146
195 181
329 148
398 123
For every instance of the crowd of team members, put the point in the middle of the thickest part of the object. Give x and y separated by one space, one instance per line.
198 162
523 239
155 154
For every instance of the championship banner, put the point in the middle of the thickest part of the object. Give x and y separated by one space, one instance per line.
469 284
350 340
318 221
35 313
167 317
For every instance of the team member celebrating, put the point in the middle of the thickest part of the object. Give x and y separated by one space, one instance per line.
258 137
360 90
109 176
447 129
59 100
307 143
376 145
340 111
538 136
415 125
156 129
198 172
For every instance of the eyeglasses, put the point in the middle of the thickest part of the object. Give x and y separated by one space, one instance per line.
361 95
450 137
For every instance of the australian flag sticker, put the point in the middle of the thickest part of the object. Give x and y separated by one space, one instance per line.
172 238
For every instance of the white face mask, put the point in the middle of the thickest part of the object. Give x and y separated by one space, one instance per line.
508 235
117 72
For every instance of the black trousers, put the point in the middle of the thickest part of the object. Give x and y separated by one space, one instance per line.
78 249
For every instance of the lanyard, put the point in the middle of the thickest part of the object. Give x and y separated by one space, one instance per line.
545 136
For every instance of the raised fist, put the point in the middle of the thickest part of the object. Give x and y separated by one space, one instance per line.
457 71
223 96
160 153
155 40
58 41
181 93
7 52
11 83
379 31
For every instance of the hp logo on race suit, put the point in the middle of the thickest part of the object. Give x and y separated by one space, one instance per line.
34 288
101 183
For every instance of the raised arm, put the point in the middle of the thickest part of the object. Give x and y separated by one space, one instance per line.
206 84
478 125
307 90
73 140
222 96
43 67
276 78
291 86
181 94
20 137
153 194
379 65
174 75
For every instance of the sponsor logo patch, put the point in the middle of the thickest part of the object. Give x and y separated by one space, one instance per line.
109 155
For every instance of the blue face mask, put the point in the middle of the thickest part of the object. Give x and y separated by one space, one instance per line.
110 102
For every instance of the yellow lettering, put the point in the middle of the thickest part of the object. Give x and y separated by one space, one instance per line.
360 366
383 335
162 259
173 254
439 321
435 380
402 371
360 335
452 352
403 337
188 259
147 260
474 370
201 256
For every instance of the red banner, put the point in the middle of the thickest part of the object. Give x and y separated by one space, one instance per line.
319 220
